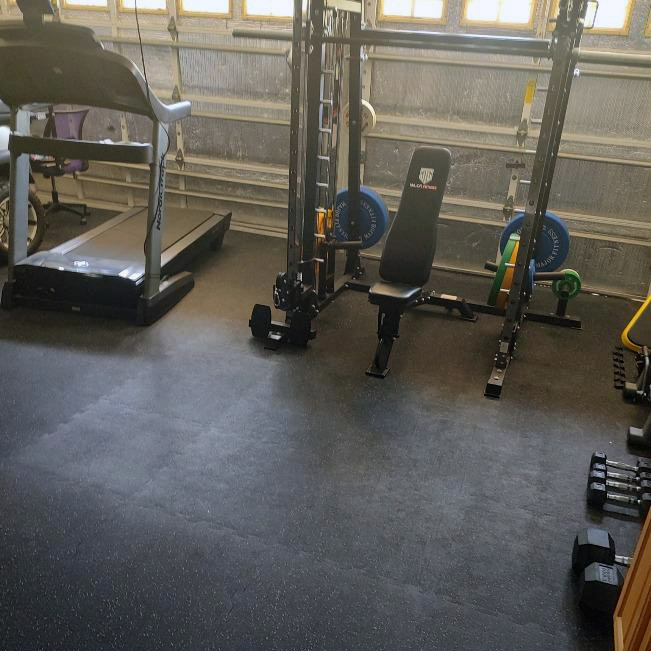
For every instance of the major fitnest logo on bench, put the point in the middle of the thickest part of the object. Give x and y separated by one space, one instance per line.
425 177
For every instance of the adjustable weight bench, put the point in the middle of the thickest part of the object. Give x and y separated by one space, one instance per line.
406 262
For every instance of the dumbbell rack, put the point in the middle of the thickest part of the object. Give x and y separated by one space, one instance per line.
619 483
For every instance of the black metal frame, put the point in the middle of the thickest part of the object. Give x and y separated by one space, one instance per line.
566 39
310 283
296 291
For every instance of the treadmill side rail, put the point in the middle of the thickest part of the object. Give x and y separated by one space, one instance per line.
170 293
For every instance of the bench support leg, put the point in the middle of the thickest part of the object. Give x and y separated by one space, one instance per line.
387 332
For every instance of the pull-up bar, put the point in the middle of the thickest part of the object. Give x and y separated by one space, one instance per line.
478 43
481 43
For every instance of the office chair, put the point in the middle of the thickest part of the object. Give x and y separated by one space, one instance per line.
67 125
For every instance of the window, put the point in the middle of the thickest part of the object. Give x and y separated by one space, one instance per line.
282 9
204 7
147 6
500 13
429 11
612 16
84 4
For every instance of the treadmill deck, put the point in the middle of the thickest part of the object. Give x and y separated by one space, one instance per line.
102 271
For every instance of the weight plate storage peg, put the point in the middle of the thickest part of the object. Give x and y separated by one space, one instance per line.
373 218
553 245
502 268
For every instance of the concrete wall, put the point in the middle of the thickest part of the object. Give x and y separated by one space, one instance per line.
236 144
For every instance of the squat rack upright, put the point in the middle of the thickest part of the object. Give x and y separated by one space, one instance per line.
309 283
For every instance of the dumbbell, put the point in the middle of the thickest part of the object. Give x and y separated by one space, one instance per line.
599 588
643 465
599 477
622 476
598 495
594 545
593 560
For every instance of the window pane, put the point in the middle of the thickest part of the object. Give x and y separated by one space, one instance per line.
428 9
279 8
487 10
515 11
206 6
144 4
86 3
611 14
413 8
395 8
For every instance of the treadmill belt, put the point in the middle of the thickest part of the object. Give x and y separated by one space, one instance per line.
125 240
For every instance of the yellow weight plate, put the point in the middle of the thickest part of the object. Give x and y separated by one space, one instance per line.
503 296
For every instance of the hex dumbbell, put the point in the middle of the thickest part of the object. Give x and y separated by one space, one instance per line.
643 465
594 545
621 476
593 560
599 477
598 495
599 588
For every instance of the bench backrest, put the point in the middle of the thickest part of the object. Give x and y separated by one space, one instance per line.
411 242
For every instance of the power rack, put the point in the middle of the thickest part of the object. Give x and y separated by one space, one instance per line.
321 39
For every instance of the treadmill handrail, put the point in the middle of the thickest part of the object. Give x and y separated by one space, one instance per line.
61 64
120 152
177 111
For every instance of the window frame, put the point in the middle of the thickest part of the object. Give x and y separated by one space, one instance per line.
388 18
203 14
610 31
496 24
65 4
125 10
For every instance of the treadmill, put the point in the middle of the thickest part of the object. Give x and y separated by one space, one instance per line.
132 265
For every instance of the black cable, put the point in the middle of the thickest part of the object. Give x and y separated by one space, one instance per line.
142 53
